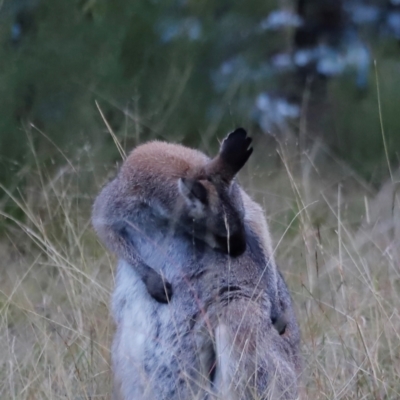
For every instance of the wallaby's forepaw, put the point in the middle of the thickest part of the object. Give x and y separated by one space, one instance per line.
235 149
158 288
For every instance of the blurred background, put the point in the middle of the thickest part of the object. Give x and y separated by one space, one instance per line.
189 70
317 85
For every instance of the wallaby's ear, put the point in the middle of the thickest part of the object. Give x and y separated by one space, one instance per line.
192 190
235 149
234 152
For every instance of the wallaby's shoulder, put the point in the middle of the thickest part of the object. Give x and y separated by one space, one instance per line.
256 221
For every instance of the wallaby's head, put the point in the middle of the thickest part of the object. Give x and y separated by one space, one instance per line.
213 199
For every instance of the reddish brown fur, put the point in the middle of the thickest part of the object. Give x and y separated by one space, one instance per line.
160 164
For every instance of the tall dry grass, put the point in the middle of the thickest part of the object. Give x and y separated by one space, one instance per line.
337 241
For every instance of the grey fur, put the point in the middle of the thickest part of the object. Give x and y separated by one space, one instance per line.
160 180
220 312
215 338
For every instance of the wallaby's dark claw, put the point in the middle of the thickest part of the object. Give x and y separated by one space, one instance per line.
280 324
159 288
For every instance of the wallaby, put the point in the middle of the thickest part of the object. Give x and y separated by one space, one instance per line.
216 337
180 188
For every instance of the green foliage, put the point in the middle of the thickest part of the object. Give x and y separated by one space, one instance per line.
355 131
76 53
152 75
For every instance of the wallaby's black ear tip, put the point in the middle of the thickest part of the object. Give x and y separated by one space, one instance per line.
240 131
237 134
235 149
237 138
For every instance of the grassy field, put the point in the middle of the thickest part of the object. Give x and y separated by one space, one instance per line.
337 242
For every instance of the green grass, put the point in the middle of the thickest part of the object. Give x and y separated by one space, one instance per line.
337 243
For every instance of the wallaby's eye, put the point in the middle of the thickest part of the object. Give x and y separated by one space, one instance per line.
192 188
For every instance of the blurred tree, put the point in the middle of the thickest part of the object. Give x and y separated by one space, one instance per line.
188 70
